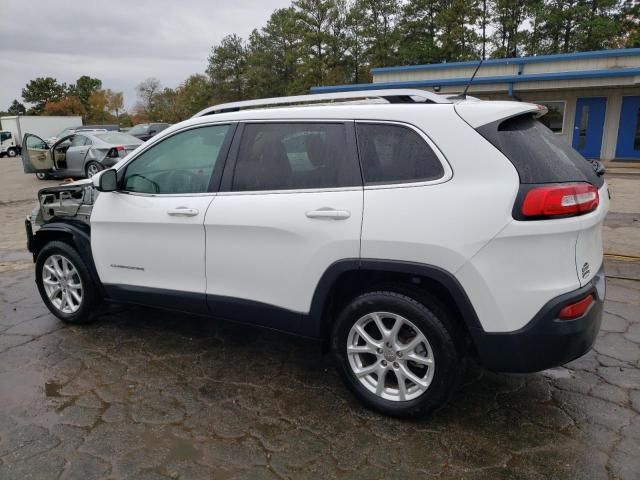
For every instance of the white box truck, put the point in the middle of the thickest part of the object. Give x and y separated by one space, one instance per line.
13 128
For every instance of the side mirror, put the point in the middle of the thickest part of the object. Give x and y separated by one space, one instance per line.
105 181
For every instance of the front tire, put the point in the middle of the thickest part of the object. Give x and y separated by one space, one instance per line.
12 152
65 284
43 176
396 355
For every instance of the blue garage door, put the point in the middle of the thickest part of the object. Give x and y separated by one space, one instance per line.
628 147
587 132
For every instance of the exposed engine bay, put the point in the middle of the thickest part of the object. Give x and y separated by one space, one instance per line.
74 200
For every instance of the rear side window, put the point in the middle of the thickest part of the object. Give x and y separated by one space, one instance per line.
285 156
537 153
395 154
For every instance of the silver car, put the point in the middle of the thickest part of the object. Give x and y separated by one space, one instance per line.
81 154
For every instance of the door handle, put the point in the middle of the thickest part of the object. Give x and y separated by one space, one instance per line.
182 212
331 213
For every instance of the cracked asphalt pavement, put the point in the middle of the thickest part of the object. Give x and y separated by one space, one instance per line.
148 394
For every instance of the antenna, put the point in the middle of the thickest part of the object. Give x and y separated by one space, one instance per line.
464 92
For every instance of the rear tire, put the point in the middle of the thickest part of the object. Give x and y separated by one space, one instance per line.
64 283
420 364
43 176
12 152
92 168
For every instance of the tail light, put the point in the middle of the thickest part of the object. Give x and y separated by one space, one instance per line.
576 309
559 200
115 151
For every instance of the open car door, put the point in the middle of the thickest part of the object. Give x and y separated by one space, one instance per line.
36 154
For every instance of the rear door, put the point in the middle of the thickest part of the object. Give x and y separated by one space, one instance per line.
76 153
290 206
36 154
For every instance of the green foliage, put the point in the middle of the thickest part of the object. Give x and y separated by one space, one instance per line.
16 108
84 87
41 91
227 68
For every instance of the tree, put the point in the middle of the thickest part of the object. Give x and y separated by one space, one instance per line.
598 27
114 102
629 20
419 32
458 37
16 108
195 94
98 107
508 18
166 107
315 17
84 87
146 91
69 105
226 68
273 55
356 42
378 22
41 91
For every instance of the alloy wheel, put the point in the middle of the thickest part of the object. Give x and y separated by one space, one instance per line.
92 169
390 356
62 284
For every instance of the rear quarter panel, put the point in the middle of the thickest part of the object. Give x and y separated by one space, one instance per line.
442 224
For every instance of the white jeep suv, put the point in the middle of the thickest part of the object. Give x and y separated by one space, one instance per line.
404 229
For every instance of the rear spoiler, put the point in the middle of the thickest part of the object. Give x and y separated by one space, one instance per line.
477 114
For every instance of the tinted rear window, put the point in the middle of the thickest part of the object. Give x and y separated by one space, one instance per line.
395 154
538 154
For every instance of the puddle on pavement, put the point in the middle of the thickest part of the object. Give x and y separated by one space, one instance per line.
52 389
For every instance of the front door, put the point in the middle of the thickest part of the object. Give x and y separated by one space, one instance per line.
589 126
148 237
36 154
628 147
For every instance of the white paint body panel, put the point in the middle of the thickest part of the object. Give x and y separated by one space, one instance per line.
263 247
136 231
530 263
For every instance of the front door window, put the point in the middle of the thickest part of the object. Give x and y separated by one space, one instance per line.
181 163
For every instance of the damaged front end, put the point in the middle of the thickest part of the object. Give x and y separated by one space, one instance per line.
64 213
73 201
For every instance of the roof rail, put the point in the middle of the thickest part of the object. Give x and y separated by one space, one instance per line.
403 95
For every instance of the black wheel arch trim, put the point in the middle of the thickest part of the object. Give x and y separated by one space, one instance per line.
80 235
316 324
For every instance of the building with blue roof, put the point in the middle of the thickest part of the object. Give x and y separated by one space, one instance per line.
593 97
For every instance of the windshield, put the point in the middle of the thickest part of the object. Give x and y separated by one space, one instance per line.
138 129
117 138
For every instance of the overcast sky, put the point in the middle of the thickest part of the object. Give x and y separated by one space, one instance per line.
120 42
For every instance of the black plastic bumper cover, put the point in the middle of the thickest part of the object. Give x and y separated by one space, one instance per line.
546 341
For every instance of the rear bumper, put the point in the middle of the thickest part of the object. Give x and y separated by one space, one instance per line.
545 341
